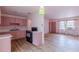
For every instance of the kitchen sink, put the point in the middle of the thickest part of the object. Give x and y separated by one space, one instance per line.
14 29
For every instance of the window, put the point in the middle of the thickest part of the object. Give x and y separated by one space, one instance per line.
70 25
66 25
62 24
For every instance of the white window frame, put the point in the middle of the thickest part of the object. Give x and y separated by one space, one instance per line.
70 24
62 25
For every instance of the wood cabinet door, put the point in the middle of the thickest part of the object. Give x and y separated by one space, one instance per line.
21 34
24 22
18 34
5 21
13 35
21 22
2 20
18 21
0 16
12 20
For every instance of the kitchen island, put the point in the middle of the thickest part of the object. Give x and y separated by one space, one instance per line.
5 43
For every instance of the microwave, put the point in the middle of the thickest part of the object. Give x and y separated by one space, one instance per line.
34 29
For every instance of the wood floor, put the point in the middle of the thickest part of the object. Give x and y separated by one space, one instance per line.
53 43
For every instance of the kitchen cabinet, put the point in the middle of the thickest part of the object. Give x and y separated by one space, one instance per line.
18 34
0 16
12 20
37 38
21 34
13 34
19 21
7 21
25 22
22 22
5 43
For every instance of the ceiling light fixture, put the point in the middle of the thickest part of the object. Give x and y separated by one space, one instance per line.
41 11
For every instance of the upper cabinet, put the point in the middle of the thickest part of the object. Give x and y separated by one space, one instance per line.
25 22
21 22
0 16
8 21
5 21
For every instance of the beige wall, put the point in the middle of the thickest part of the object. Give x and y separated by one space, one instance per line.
46 26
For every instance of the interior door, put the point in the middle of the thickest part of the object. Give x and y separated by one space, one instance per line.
52 27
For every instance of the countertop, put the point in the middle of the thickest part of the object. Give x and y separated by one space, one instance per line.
3 36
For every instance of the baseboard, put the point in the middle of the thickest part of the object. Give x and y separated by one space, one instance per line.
62 33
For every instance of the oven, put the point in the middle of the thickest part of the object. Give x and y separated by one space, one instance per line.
29 36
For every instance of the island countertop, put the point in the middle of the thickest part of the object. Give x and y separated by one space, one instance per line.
3 36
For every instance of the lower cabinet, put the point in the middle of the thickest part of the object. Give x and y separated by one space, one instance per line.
37 38
18 34
13 34
5 43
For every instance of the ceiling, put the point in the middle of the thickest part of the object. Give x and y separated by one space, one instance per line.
23 11
51 12
57 12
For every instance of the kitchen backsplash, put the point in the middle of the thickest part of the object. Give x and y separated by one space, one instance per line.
8 28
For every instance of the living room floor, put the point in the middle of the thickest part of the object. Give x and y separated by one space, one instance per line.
53 43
